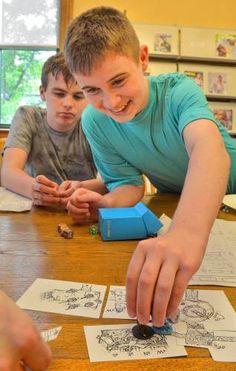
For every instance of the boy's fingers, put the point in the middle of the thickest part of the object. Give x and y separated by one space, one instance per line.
83 195
180 285
8 357
146 288
45 189
39 357
44 199
45 181
132 278
75 208
66 193
64 185
164 286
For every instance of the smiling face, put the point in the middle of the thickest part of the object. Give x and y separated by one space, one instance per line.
117 86
64 102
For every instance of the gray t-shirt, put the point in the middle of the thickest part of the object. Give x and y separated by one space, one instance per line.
57 155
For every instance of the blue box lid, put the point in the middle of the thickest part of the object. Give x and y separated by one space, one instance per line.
152 223
135 222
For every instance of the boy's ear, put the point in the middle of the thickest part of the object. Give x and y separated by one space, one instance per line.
42 92
144 57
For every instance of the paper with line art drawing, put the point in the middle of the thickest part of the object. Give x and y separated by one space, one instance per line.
210 307
116 343
51 334
116 303
73 298
218 266
224 346
207 320
219 263
204 317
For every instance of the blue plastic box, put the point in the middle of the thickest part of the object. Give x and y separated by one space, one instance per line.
128 223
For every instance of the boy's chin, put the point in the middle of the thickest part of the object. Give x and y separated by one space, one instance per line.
121 119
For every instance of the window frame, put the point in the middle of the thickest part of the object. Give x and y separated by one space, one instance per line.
65 16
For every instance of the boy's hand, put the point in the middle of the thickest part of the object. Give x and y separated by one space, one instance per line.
66 189
158 275
20 340
45 192
83 205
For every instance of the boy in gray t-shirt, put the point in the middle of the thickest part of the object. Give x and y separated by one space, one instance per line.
46 155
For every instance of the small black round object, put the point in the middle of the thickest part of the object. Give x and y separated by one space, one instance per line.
142 332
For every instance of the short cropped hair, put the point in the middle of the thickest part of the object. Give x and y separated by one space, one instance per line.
94 33
56 64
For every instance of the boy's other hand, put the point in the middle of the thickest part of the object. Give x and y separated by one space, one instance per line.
158 274
45 192
66 189
83 205
20 340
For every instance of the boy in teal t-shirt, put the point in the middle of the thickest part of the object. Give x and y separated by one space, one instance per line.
158 126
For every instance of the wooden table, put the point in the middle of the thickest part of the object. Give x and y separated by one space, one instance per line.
30 247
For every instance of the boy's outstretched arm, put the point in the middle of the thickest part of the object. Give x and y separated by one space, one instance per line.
41 190
84 204
20 340
161 268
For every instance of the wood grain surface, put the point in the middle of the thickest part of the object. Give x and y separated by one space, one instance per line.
30 248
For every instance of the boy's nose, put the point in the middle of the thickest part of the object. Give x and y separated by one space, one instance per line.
112 101
68 102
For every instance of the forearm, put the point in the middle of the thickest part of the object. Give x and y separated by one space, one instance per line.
95 185
204 188
124 196
17 181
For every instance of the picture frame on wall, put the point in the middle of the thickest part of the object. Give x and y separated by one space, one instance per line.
225 112
217 83
161 40
225 116
226 45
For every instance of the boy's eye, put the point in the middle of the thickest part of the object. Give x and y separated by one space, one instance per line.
91 91
79 96
58 94
118 82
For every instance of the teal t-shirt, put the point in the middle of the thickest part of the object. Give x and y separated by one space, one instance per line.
152 143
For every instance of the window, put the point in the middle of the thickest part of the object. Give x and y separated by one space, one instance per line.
29 34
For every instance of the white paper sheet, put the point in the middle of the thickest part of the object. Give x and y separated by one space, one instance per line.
10 201
166 221
203 313
219 263
116 303
207 320
209 306
73 298
224 346
116 343
51 334
230 200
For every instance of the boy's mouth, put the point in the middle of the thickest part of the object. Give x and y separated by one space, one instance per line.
121 109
